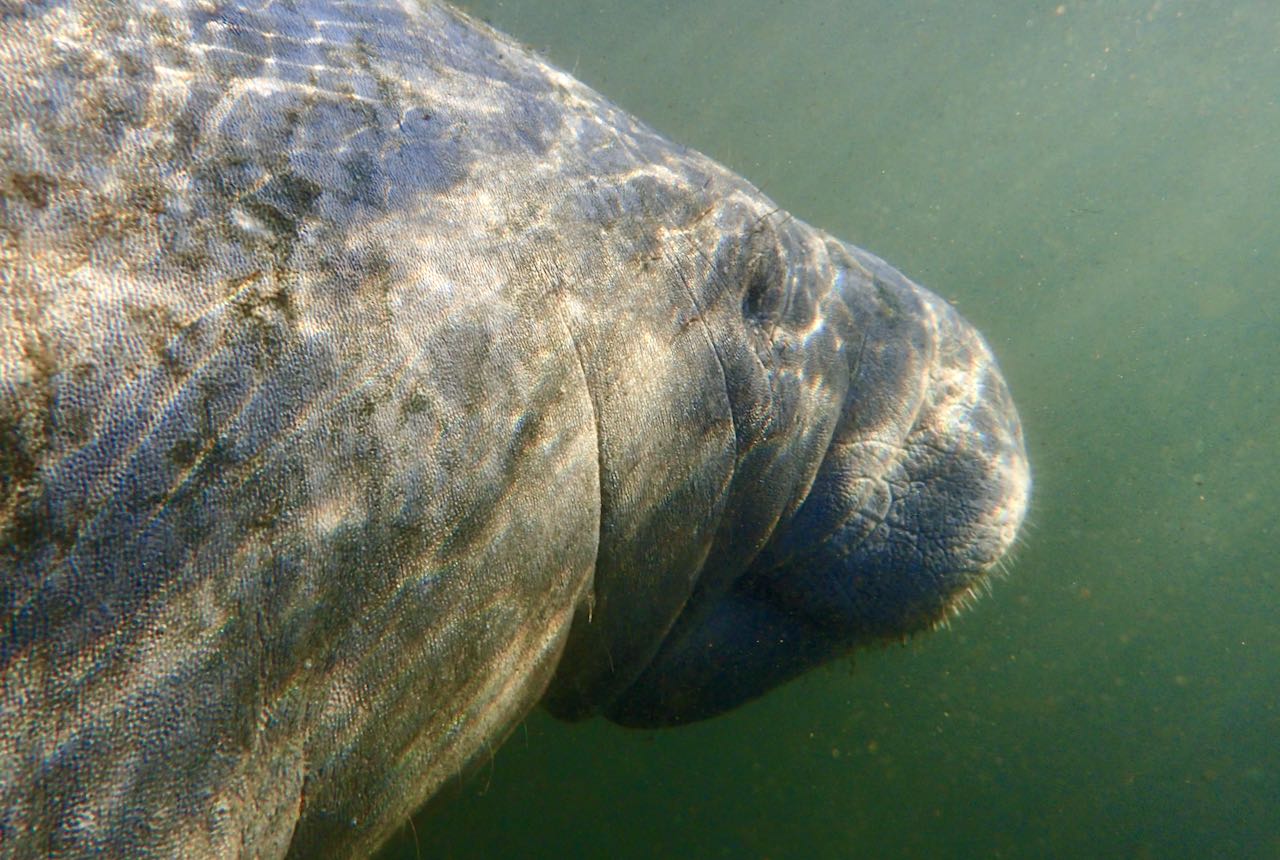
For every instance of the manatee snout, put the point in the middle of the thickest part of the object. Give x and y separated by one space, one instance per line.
924 484
921 491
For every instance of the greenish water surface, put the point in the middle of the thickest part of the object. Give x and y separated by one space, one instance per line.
1096 185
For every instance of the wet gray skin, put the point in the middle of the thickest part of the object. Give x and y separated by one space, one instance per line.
364 379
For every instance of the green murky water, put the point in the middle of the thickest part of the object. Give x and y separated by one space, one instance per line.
1097 186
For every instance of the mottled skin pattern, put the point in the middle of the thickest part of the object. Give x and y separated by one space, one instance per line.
359 372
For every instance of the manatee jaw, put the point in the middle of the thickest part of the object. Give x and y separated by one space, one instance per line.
921 492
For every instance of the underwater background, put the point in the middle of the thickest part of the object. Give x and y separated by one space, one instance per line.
1095 185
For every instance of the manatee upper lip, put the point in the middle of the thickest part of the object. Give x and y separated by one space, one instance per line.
925 481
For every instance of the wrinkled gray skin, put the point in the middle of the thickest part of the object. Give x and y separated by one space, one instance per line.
359 373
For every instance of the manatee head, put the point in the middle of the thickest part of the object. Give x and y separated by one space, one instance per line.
877 475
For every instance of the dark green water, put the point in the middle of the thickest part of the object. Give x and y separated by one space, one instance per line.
1097 186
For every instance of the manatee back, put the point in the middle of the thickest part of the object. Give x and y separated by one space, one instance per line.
297 481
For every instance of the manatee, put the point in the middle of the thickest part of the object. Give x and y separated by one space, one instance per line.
365 381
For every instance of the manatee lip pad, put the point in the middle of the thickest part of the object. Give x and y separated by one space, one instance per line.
365 381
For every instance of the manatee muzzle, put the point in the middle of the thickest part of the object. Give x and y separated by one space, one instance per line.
921 491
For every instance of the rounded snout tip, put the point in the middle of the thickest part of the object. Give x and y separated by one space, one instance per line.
972 413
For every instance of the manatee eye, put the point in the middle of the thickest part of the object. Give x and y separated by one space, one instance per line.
764 298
